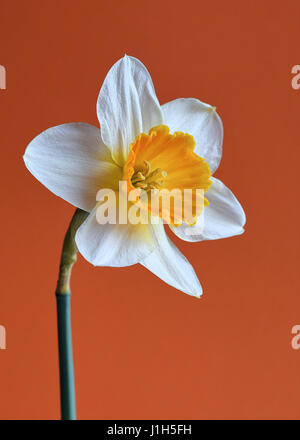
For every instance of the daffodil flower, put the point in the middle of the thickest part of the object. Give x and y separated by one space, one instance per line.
176 145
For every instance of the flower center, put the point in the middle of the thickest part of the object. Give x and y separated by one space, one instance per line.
143 177
163 161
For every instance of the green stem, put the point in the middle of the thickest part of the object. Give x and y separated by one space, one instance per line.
63 300
66 368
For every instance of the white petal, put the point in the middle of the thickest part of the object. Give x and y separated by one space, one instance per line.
202 122
127 106
114 244
169 264
72 162
224 217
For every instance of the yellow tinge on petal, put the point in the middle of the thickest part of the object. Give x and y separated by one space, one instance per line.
160 161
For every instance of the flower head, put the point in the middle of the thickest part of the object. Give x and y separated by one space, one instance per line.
152 148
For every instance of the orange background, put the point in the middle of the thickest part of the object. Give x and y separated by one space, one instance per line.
142 349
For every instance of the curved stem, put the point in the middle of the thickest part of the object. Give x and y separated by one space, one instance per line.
63 300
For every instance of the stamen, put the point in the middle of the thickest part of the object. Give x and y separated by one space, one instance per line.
155 173
137 176
141 185
148 168
145 179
